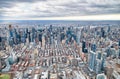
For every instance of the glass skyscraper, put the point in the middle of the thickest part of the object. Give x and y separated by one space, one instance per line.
92 60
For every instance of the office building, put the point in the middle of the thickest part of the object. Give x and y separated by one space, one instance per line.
101 76
0 39
104 55
93 47
102 33
99 55
98 66
91 60
83 46
1 46
119 42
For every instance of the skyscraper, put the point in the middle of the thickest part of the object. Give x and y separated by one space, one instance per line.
23 37
83 46
0 66
119 42
102 33
78 36
91 60
40 37
11 39
93 47
85 50
62 36
103 61
98 66
0 39
43 41
69 37
108 29
0 42
99 55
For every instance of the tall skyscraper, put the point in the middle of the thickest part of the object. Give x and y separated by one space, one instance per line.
62 36
108 29
108 51
15 36
0 39
83 46
98 66
43 41
91 60
69 37
0 42
0 65
93 47
78 36
51 38
11 38
23 37
103 61
40 37
102 33
99 55
119 42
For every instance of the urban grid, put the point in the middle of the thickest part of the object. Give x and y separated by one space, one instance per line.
59 52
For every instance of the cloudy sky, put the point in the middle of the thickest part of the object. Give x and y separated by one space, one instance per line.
60 9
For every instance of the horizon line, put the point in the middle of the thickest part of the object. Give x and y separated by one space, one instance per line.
84 18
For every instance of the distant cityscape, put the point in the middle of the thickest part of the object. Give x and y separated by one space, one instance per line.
60 50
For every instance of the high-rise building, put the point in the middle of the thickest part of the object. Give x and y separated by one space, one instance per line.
0 43
62 36
51 28
23 40
108 29
0 65
83 46
11 39
0 39
91 60
99 55
98 66
101 76
85 50
69 35
40 37
108 51
15 36
51 38
43 41
78 36
119 42
11 32
93 47
102 33
104 55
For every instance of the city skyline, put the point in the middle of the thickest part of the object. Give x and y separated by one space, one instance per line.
59 10
60 51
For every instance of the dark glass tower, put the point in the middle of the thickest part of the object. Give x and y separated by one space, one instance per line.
83 46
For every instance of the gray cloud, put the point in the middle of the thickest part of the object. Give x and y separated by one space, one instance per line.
54 8
11 3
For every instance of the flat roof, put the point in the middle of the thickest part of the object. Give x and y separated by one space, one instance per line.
53 75
44 75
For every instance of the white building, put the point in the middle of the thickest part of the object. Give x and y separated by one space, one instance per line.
101 76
